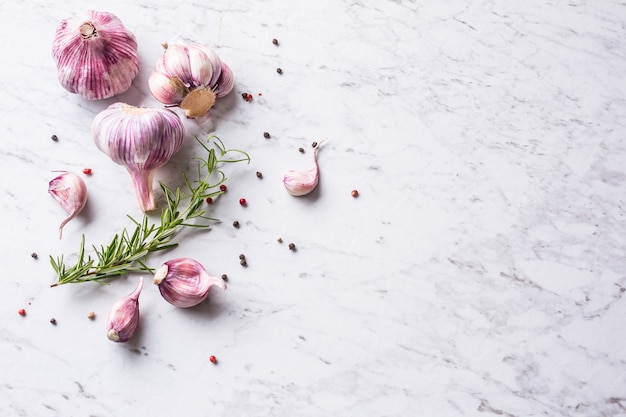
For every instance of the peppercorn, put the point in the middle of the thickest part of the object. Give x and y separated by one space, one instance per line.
53 321
213 359
301 150
223 188
87 171
275 41
314 144
21 312
266 135
236 224
54 138
242 256
279 70
354 193
243 201
243 262
91 315
34 255
225 277
292 247
209 200
259 175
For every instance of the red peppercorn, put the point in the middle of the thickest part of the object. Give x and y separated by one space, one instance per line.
223 187
213 359
87 171
21 312
243 201
354 193
209 200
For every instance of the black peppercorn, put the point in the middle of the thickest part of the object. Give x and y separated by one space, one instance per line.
266 135
259 175
279 70
292 247
275 41
54 138
236 223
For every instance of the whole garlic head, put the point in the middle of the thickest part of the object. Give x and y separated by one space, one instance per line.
141 139
96 55
191 76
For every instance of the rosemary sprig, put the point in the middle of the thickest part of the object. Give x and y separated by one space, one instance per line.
127 250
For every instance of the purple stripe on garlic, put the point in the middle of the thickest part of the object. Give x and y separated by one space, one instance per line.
124 316
70 191
183 282
141 139
96 55
190 76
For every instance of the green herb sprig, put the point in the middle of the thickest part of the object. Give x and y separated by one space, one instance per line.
128 250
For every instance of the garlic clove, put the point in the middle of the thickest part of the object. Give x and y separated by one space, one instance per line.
225 83
167 90
299 183
96 56
142 140
124 316
183 282
71 192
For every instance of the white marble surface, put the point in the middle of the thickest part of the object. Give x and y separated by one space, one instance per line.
480 272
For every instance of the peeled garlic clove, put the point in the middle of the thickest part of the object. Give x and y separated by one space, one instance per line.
141 139
71 192
183 282
191 76
299 183
124 316
96 55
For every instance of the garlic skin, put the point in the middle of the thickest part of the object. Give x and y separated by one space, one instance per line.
299 183
191 76
141 139
124 316
183 282
71 192
96 56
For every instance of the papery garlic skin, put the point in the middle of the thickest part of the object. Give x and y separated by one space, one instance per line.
141 139
71 192
191 76
96 55
299 183
183 282
124 316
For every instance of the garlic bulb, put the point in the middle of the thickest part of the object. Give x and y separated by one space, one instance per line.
190 76
184 282
96 56
140 139
299 183
124 316
71 192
